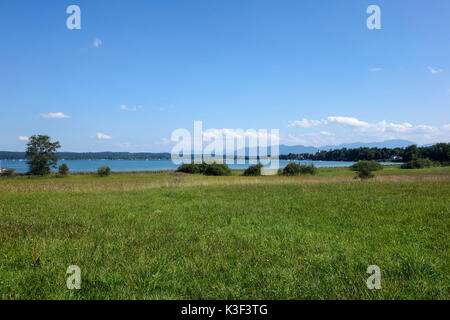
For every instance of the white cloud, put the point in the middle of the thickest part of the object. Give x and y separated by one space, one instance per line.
375 69
353 129
23 138
97 42
55 115
358 124
348 121
126 108
102 136
305 123
435 71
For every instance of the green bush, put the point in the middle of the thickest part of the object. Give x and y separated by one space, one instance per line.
366 165
192 168
311 169
254 170
365 173
365 168
217 169
214 169
104 171
419 164
63 169
7 172
295 169
292 169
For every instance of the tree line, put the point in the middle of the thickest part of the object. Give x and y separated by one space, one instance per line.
439 152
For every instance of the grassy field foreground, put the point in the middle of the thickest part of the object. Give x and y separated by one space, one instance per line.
192 237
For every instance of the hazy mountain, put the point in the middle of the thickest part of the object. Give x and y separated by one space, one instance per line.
396 143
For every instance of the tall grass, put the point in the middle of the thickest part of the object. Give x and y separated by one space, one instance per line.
257 241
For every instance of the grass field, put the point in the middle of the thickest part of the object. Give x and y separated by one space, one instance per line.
176 236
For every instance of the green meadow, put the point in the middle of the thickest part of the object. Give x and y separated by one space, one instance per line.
178 236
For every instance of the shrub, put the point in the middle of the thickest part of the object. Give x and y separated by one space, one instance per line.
292 169
254 170
365 168
63 169
366 165
7 172
365 173
214 169
104 171
192 168
217 169
418 164
311 169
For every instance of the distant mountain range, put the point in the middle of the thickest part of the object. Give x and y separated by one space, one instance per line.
396 143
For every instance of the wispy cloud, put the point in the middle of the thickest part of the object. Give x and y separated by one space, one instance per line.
55 115
359 124
126 108
347 121
23 138
305 123
435 71
97 42
350 128
102 136
375 69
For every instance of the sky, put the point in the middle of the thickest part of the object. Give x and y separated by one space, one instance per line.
139 69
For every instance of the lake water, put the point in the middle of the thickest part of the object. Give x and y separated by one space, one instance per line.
151 165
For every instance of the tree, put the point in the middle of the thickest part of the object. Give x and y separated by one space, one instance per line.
41 154
63 169
411 153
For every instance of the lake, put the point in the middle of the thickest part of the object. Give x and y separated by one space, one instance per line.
152 165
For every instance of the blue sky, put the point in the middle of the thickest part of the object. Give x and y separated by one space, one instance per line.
137 70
